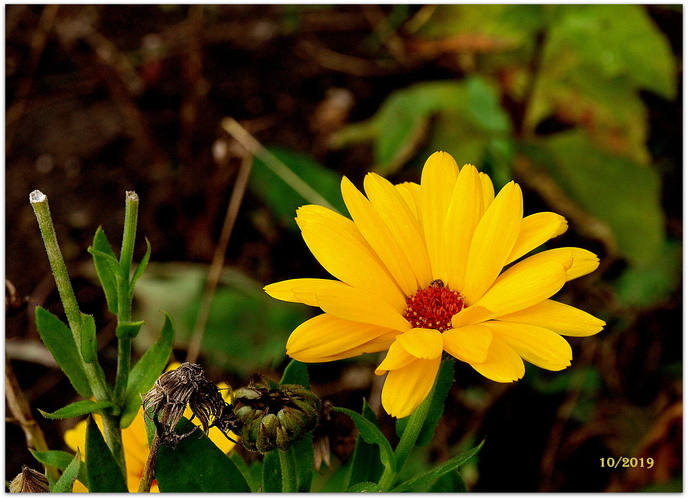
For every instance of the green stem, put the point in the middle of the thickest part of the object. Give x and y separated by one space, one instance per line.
288 465
94 374
131 212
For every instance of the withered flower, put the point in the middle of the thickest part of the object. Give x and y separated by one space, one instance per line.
29 480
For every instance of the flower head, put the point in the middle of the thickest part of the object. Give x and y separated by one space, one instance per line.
420 271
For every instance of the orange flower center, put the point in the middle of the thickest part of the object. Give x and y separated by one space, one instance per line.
433 307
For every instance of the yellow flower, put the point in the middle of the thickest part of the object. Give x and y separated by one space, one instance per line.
419 271
135 443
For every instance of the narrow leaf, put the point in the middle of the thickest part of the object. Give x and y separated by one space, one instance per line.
60 460
101 250
140 268
80 408
58 338
272 473
437 472
296 373
129 329
66 482
147 370
365 464
89 341
303 453
104 474
449 482
372 435
365 487
197 465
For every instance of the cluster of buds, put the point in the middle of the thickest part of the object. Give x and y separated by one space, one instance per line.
274 418
264 418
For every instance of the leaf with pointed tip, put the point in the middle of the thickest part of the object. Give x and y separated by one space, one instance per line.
104 474
80 408
365 464
140 268
107 267
89 341
66 482
296 373
128 330
60 460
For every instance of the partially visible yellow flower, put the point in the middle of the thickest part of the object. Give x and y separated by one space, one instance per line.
135 442
419 271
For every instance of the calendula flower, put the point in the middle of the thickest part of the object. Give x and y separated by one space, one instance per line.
135 442
420 271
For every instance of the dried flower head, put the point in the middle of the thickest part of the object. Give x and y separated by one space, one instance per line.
29 480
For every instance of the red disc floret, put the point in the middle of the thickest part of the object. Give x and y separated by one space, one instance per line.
433 307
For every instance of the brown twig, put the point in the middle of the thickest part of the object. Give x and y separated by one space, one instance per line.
149 468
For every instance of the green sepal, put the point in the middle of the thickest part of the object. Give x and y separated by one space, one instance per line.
61 460
197 465
296 373
272 472
58 338
129 330
445 378
365 464
89 340
437 472
365 487
147 370
66 482
80 408
140 268
104 474
107 267
372 434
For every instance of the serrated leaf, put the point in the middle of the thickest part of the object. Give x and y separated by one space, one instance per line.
104 474
66 482
296 373
437 472
60 460
197 465
58 338
624 194
106 268
141 267
147 370
128 329
89 341
272 473
372 434
80 408
366 465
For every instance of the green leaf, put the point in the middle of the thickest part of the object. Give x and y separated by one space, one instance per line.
296 373
303 454
128 329
140 268
444 380
197 465
624 194
80 408
66 482
104 474
107 267
272 473
437 472
58 338
245 470
449 482
60 460
372 434
365 487
645 287
147 370
89 340
282 198
365 464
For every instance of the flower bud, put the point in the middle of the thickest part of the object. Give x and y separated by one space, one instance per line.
29 480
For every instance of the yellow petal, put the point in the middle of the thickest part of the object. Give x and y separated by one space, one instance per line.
422 343
396 358
536 229
298 290
468 344
558 317
380 237
325 337
375 345
537 345
492 242
337 244
488 190
524 285
406 388
463 214
584 261
471 315
410 191
503 364
436 188
402 223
